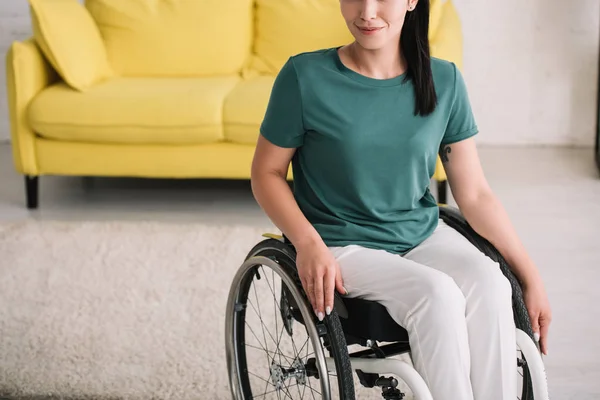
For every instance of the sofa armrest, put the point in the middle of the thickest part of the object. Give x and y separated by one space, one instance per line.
27 73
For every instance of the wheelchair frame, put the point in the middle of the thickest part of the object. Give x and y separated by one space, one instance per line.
374 360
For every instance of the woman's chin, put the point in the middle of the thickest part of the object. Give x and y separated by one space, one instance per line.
370 43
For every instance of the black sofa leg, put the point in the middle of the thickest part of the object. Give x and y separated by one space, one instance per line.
442 188
32 191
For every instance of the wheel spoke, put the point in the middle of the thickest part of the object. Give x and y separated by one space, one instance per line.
275 314
302 348
275 390
298 353
313 391
279 348
298 387
276 307
277 343
259 348
273 292
287 391
262 379
252 331
266 386
262 324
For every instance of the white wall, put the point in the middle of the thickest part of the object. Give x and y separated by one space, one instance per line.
531 67
14 25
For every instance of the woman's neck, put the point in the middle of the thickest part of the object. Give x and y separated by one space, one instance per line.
385 63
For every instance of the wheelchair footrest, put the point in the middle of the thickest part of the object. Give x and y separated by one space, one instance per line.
368 380
389 388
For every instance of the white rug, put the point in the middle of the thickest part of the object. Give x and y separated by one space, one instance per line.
131 310
117 309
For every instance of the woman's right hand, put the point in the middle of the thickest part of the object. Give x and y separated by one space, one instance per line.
320 275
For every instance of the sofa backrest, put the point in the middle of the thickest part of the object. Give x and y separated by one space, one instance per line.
218 37
175 37
287 27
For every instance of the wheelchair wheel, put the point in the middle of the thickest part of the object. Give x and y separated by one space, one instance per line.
275 345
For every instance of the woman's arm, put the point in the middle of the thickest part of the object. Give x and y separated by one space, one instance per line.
482 209
486 215
318 270
272 192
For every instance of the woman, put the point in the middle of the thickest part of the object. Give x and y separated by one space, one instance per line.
362 125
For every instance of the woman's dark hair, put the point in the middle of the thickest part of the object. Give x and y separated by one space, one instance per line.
414 43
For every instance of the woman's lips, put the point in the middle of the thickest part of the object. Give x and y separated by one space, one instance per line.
369 31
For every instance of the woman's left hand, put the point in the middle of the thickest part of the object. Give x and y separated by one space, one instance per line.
539 311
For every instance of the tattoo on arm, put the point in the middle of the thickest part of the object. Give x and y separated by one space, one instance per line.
444 153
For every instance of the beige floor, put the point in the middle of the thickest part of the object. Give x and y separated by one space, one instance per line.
552 195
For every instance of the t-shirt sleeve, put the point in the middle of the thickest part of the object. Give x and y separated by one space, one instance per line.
461 124
283 123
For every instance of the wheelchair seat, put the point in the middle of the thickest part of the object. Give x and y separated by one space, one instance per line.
369 320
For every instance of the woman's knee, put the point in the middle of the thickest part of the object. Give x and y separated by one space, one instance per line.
440 296
489 284
444 292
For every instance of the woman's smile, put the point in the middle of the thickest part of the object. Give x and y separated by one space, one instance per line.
370 30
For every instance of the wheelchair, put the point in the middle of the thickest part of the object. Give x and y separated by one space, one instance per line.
275 359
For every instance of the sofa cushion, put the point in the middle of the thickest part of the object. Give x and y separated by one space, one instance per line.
175 37
80 59
244 109
134 110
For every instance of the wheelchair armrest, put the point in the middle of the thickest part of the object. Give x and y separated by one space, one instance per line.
339 306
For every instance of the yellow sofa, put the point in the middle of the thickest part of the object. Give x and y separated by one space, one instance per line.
163 88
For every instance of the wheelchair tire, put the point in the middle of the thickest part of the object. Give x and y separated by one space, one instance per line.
280 258
453 218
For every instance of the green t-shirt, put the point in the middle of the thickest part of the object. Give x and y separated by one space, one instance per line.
364 161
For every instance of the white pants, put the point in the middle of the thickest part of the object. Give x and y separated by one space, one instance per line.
455 304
